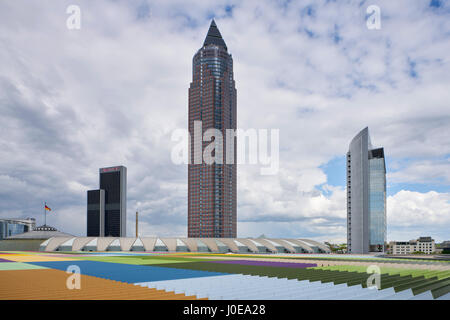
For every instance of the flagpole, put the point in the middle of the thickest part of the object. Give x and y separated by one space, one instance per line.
45 214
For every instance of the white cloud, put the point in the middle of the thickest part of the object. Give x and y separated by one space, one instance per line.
415 214
423 171
408 208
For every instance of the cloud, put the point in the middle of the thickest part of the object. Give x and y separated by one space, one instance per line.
72 101
414 214
427 171
414 208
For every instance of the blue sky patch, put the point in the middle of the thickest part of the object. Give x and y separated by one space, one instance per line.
335 171
435 3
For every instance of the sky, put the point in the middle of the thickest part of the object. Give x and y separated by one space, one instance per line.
113 92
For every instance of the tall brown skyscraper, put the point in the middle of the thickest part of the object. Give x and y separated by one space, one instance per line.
212 100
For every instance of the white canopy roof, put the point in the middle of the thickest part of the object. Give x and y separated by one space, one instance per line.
138 243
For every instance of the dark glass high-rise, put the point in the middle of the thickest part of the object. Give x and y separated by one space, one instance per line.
95 213
114 181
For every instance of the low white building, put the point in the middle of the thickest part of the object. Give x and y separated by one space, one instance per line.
154 244
423 244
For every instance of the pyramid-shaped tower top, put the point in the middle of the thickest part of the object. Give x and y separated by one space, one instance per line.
214 36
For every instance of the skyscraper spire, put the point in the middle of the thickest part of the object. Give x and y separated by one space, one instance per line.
214 36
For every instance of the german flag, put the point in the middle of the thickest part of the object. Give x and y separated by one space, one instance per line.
47 208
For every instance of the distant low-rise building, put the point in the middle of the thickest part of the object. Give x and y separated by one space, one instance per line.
31 239
443 247
11 227
423 244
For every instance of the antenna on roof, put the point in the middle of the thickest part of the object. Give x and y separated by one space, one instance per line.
137 223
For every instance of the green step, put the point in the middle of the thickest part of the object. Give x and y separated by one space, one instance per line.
430 286
398 282
411 284
440 291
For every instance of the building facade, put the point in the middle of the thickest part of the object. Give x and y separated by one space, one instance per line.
212 102
423 244
107 206
95 213
114 181
12 227
444 247
366 196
